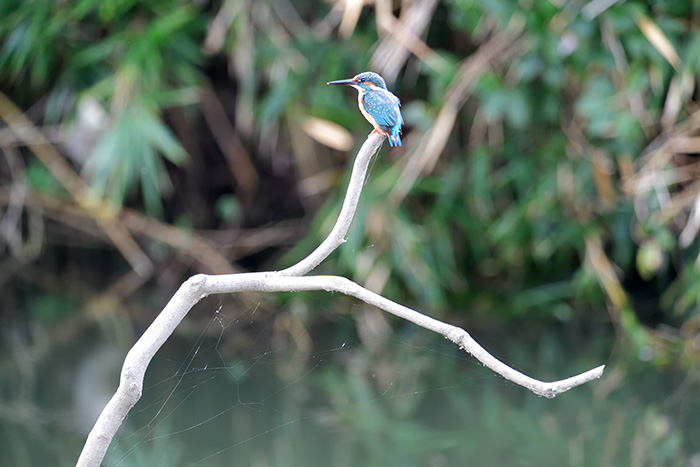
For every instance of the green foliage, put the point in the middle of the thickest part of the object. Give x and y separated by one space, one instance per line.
51 307
544 159
127 153
135 59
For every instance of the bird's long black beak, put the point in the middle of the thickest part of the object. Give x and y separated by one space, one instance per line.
346 82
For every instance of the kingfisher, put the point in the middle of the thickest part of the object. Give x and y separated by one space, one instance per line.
379 106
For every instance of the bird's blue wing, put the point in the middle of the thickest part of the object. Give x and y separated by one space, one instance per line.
383 106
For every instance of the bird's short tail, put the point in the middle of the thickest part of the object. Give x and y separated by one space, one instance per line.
395 137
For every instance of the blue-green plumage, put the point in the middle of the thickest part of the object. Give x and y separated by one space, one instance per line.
379 106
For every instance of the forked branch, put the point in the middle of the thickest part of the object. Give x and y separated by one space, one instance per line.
288 280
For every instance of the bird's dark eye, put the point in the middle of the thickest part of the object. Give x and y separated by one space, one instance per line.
361 80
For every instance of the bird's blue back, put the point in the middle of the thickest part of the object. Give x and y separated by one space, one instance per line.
384 107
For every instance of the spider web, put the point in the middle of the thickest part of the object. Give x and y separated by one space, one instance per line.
265 402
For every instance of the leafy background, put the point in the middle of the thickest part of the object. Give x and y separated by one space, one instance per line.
545 196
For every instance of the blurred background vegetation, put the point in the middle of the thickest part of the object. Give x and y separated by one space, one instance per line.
545 198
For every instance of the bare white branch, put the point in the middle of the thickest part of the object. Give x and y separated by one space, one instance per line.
288 280
347 212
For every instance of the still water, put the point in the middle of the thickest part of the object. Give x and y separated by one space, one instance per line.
235 388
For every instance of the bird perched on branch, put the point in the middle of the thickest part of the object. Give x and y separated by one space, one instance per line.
379 106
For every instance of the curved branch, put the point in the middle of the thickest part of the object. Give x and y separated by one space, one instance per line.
140 355
347 212
221 284
197 287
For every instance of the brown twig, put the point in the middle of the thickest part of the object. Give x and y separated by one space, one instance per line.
104 214
425 155
225 135
188 243
402 37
